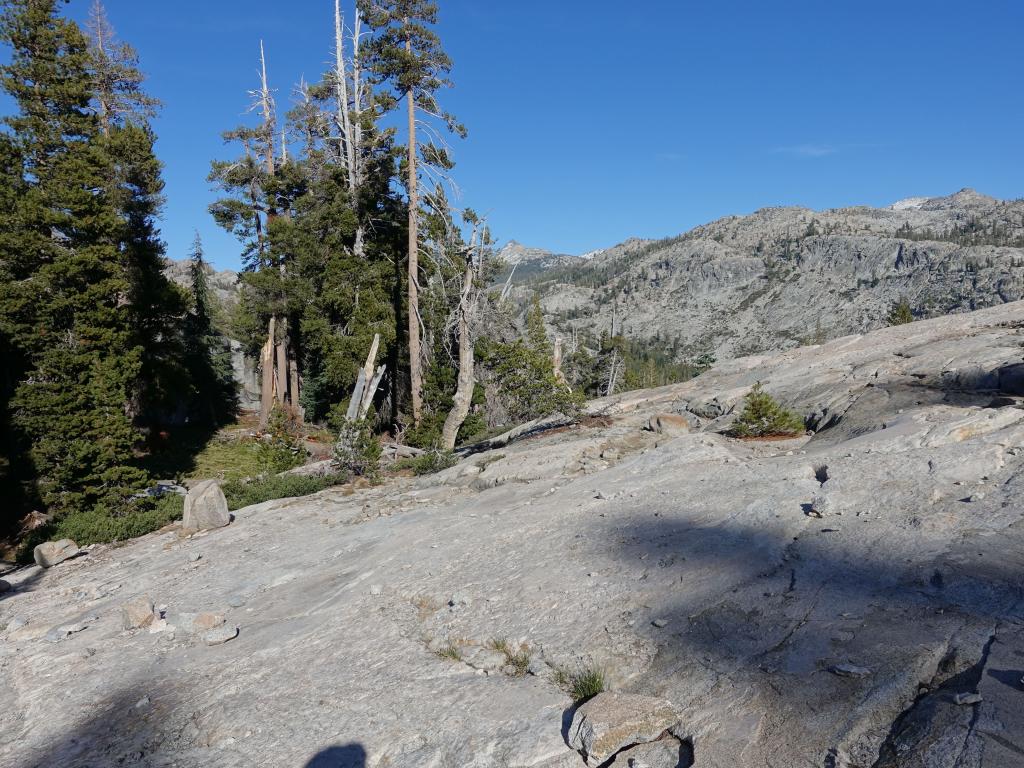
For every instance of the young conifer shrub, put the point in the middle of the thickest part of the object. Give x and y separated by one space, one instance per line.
762 416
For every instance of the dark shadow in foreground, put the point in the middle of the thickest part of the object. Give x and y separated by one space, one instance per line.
344 756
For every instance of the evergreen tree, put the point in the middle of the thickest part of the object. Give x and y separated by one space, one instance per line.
214 396
406 54
65 292
900 314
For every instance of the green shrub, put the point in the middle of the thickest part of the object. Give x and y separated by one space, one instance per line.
240 493
583 684
900 314
101 524
762 416
428 462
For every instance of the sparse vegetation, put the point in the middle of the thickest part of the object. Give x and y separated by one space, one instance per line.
762 416
583 683
517 658
242 493
429 462
450 651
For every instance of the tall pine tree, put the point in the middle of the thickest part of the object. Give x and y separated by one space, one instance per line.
406 54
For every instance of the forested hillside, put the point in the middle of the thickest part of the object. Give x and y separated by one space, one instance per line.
364 295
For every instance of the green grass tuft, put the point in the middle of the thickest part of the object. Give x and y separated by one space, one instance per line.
583 684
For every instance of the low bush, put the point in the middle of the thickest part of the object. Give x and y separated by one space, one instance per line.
241 493
101 524
762 416
428 462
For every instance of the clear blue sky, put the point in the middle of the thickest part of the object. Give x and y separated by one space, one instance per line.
593 121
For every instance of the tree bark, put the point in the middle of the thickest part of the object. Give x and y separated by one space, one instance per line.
281 383
293 389
415 366
267 365
463 398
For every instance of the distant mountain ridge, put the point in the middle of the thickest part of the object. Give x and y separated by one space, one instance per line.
782 277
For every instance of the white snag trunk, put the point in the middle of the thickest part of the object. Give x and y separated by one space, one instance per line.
267 369
463 398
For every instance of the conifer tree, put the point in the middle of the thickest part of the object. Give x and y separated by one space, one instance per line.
64 290
406 54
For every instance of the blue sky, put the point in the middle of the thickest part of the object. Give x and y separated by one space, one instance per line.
594 121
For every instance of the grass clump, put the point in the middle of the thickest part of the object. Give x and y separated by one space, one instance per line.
241 493
762 416
429 462
583 684
517 658
451 652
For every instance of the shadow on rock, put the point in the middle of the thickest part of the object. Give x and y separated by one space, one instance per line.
127 728
342 756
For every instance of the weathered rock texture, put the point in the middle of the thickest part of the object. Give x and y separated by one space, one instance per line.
205 507
51 553
357 610
781 277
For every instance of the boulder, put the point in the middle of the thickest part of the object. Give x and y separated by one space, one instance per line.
610 721
50 553
205 507
137 613
668 424
5 586
220 635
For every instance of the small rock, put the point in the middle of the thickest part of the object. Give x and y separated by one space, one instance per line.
487 659
668 424
220 635
236 601
15 624
538 667
850 670
458 600
964 699
660 623
5 586
205 508
142 703
376 590
976 496
50 553
610 721
57 634
137 613
206 620
600 495
195 557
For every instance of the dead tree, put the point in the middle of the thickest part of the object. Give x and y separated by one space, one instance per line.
367 382
463 397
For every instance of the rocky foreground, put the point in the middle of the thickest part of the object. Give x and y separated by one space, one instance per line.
853 598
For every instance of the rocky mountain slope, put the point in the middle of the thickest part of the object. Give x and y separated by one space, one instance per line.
782 277
525 262
851 598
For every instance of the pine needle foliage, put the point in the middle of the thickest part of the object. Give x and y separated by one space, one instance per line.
762 416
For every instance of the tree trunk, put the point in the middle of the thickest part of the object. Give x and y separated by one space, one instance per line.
463 398
415 367
293 388
267 363
282 367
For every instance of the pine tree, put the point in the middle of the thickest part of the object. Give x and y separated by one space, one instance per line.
407 54
207 352
65 294
901 313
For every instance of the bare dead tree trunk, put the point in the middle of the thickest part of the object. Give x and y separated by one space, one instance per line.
348 116
267 369
463 398
293 386
281 383
556 362
415 364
